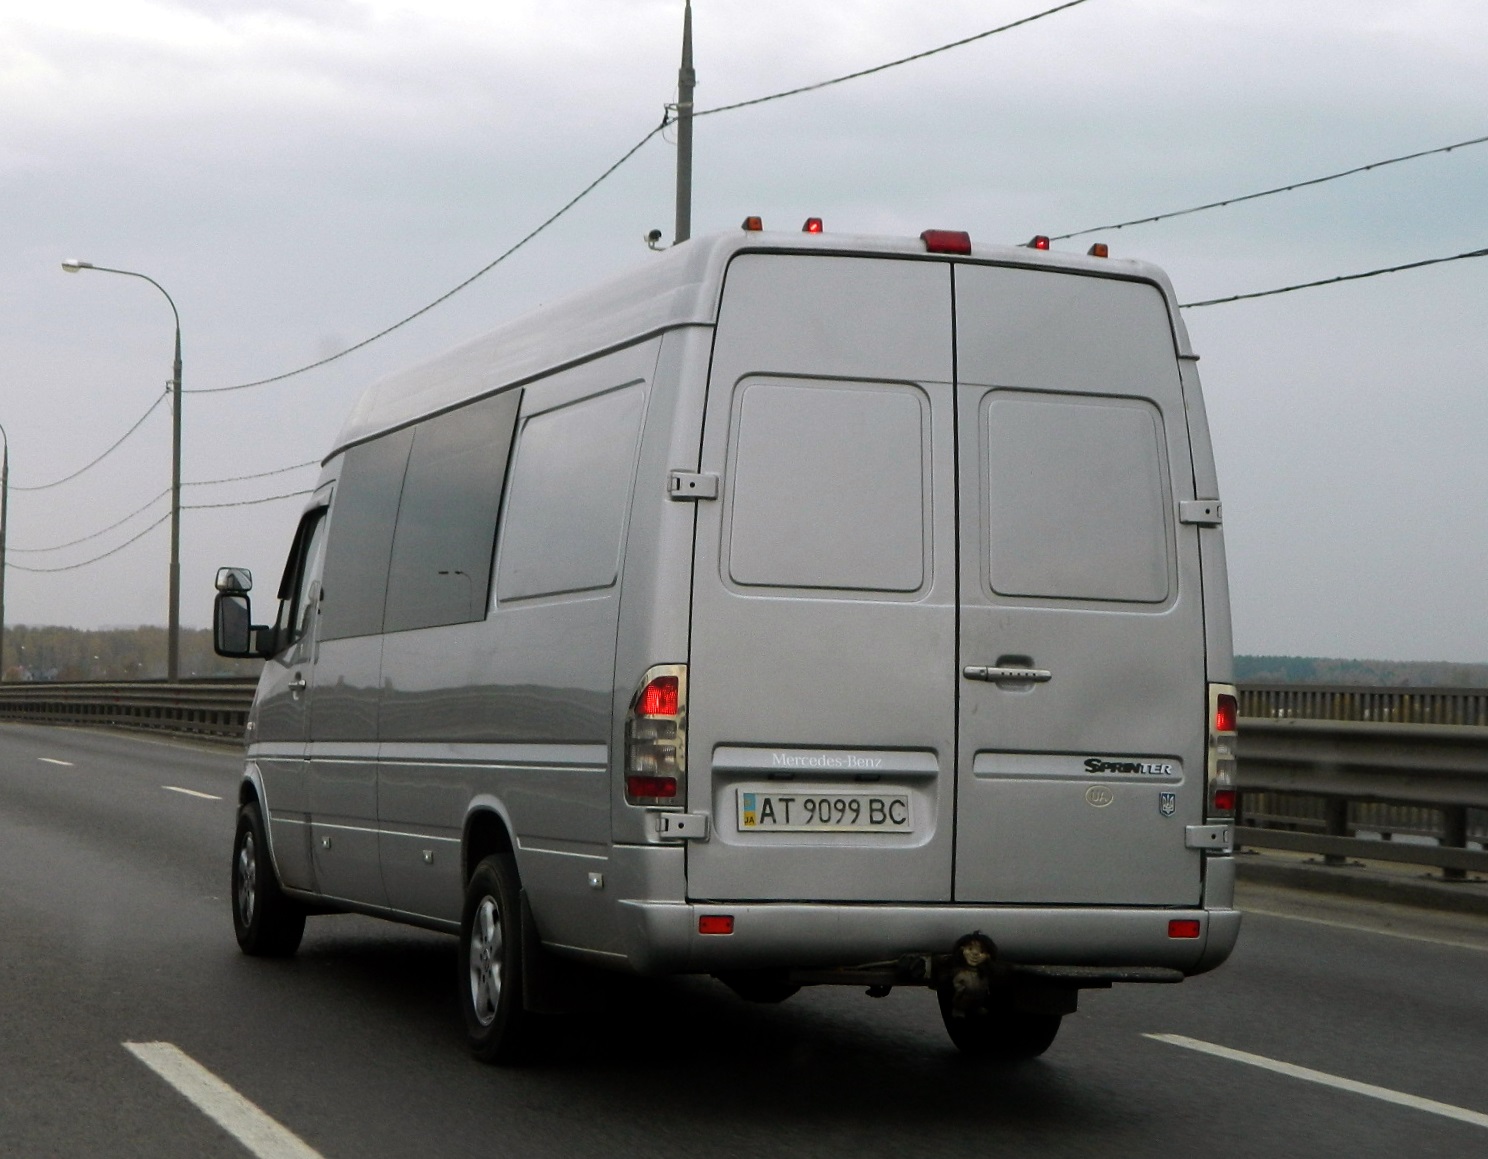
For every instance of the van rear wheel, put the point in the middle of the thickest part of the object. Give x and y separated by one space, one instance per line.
1001 1032
491 981
268 924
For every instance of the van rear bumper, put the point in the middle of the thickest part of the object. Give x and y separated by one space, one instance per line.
663 937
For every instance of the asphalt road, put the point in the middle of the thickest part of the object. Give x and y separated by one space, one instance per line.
115 928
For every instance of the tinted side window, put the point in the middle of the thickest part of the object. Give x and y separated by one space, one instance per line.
570 488
301 573
441 561
361 536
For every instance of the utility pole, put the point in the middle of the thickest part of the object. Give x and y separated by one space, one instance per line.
4 527
686 79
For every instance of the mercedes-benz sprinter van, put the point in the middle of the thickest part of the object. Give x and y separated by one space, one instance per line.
798 610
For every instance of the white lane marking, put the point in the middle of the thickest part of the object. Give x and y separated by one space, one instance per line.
1359 929
55 761
219 1102
1384 1094
192 792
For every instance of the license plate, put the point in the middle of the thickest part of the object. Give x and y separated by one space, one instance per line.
823 811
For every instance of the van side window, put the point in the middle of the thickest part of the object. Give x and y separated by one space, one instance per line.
442 550
360 543
1075 503
302 574
829 486
571 479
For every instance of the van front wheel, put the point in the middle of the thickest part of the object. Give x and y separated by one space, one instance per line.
268 924
491 963
1001 1032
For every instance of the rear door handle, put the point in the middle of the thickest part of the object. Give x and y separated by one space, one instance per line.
1012 675
298 683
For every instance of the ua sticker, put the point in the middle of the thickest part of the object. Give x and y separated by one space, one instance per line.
1167 804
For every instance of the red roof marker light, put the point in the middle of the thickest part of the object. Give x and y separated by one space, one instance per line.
1038 242
1099 250
752 225
946 241
813 225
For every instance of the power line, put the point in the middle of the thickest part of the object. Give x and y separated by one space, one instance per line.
1330 281
96 558
1269 192
583 193
96 534
890 64
258 475
105 455
245 502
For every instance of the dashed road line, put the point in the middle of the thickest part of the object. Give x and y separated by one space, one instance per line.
1362 929
241 1119
55 761
1306 1074
192 792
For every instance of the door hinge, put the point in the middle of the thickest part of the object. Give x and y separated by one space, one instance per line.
682 485
681 826
1218 838
1203 512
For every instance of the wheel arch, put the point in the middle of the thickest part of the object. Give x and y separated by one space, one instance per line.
488 830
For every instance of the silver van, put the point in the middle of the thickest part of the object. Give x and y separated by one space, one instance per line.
799 610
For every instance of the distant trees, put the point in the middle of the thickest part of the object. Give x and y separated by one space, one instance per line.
1368 673
56 653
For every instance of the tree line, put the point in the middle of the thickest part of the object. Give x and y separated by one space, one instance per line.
56 653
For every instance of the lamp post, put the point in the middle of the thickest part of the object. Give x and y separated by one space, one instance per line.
173 630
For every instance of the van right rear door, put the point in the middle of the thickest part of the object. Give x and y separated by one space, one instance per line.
1081 639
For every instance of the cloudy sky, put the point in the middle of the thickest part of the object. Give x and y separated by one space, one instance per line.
299 174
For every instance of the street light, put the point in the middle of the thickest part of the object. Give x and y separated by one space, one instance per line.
173 630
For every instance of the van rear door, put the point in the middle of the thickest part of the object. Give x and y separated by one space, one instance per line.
1081 660
822 698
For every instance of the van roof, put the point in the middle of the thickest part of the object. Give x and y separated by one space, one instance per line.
679 287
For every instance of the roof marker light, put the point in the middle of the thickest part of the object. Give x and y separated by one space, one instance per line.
1038 242
946 241
1099 250
752 224
813 225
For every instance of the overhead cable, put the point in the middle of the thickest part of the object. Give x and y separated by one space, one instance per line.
890 64
246 502
105 455
256 475
1329 281
1269 192
94 535
447 295
96 558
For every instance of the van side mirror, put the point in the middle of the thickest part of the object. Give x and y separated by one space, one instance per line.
234 580
232 629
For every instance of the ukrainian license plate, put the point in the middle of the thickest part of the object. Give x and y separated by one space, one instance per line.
823 811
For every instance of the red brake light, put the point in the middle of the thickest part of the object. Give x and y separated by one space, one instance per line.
813 225
659 698
651 788
753 225
1038 242
946 241
1226 713
716 924
1184 928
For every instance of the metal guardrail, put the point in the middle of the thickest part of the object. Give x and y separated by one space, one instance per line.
208 709
1318 764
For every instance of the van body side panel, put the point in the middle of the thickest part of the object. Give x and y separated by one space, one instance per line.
1075 788
656 597
822 677
516 707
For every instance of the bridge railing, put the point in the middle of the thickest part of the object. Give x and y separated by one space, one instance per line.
1383 774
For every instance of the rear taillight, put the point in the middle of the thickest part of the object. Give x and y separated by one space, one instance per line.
1224 720
656 738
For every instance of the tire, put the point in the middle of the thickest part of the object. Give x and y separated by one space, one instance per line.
491 981
268 924
1001 1033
